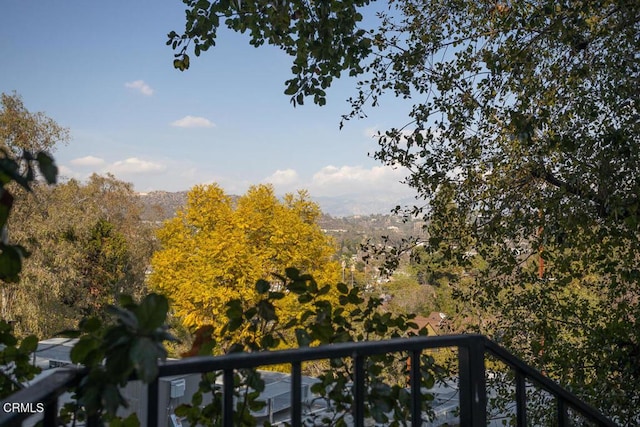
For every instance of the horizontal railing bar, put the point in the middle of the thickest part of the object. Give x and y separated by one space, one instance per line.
549 385
41 392
201 364
60 381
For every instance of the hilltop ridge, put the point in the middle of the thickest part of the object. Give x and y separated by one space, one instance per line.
159 205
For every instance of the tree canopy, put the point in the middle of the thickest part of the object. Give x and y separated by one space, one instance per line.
23 141
217 248
521 137
21 129
87 246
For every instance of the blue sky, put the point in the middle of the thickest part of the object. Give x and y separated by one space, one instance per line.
102 69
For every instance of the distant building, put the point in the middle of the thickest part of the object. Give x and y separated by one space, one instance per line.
54 353
436 323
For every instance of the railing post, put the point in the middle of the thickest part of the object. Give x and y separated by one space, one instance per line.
51 412
358 390
227 398
94 420
562 412
152 403
296 394
416 398
521 400
472 383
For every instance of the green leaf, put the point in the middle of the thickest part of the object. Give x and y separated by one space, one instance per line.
302 338
6 202
152 311
305 298
29 344
47 167
178 64
118 363
262 286
144 355
126 301
10 262
292 273
297 287
184 409
90 324
130 421
234 309
291 89
267 342
82 349
274 296
234 323
112 399
126 317
267 311
197 398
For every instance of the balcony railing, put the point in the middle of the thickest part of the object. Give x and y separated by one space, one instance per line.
472 383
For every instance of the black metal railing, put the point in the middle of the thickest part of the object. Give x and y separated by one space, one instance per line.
472 352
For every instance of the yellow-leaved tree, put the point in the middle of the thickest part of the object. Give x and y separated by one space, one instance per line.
216 248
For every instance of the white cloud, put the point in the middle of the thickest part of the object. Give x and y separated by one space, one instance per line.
382 180
193 122
134 165
283 177
332 174
65 173
140 86
87 161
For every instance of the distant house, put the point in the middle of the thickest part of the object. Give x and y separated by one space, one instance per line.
436 323
54 353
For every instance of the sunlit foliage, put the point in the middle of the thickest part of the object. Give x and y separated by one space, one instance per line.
216 248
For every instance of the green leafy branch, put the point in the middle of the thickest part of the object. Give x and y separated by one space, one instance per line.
355 317
113 354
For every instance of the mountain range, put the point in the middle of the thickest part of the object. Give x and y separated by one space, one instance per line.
160 205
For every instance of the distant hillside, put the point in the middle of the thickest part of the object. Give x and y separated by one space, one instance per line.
160 205
350 205
350 222
356 229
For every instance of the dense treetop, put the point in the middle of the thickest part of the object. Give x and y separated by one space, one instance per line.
215 250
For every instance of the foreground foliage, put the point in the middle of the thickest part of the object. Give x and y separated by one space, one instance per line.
354 317
113 352
522 138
